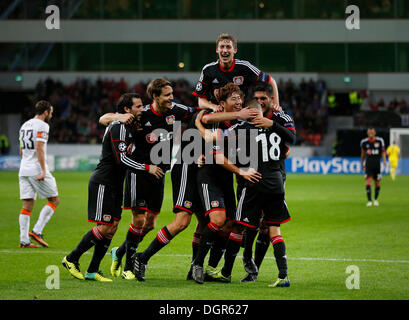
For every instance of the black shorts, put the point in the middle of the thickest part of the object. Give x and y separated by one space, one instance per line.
373 171
217 193
252 203
185 194
104 203
143 191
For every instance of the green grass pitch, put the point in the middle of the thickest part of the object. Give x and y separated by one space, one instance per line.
331 229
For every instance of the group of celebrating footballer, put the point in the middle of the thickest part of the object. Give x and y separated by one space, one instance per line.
237 102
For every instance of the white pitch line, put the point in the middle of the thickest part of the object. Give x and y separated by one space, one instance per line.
46 251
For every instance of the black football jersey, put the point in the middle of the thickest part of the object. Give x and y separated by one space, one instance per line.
158 128
115 159
213 76
271 143
373 150
287 122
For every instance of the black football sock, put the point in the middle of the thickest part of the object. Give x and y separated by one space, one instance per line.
232 249
248 240
262 245
368 193
86 243
163 237
132 240
218 248
100 250
377 189
279 254
207 238
195 245
120 252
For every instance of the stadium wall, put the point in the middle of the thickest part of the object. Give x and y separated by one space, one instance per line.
295 165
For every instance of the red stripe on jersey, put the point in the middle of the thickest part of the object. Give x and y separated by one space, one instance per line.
155 112
199 95
113 144
230 69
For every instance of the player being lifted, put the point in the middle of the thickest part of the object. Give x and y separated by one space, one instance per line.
105 189
372 149
143 194
34 175
214 76
265 195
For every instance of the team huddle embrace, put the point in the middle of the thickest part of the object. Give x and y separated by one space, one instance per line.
238 130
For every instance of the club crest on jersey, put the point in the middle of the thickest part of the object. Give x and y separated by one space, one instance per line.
122 147
215 203
106 217
151 137
188 204
238 80
170 119
376 144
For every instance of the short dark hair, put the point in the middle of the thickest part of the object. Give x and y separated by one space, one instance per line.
126 101
155 87
264 87
225 92
42 106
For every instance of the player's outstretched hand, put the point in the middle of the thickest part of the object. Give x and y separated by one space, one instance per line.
41 177
250 175
126 118
156 171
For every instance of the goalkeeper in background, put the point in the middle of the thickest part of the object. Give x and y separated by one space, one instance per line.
393 152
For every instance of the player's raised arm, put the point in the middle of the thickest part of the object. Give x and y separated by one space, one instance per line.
275 97
107 118
207 135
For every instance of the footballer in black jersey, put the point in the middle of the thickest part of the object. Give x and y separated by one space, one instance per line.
214 182
143 194
266 194
105 190
372 150
225 70
263 94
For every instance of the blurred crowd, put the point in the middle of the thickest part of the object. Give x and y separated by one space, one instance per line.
79 105
305 102
395 105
